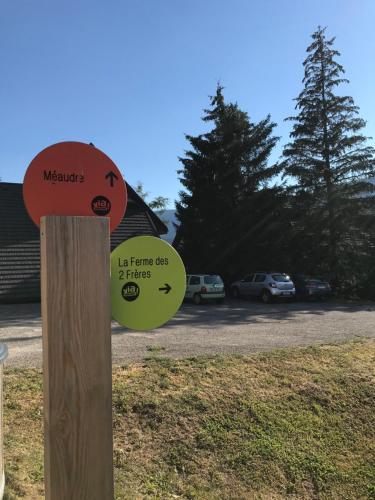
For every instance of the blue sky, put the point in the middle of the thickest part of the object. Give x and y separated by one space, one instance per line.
133 77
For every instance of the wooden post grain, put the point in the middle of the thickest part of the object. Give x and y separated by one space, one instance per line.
77 368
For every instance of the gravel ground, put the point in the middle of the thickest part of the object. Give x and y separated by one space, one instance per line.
238 326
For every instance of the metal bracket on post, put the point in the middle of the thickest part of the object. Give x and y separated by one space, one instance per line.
77 365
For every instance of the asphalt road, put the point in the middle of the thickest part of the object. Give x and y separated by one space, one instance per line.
238 326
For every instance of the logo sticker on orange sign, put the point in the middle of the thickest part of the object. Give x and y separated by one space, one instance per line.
73 178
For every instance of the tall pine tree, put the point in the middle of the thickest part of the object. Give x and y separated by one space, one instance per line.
331 163
221 173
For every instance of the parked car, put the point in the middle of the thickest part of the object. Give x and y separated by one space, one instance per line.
266 285
200 287
309 287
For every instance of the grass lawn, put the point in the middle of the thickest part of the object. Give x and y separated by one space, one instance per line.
296 423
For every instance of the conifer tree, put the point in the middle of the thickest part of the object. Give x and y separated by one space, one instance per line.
331 162
220 173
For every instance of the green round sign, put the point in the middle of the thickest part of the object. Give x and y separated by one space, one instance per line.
148 282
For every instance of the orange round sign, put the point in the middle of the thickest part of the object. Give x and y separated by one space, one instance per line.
73 178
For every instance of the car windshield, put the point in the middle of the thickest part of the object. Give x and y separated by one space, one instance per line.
280 277
212 280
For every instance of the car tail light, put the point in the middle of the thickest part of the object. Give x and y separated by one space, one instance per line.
203 289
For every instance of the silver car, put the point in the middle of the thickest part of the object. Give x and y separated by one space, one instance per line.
266 285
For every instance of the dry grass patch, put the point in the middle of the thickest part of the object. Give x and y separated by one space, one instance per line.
297 423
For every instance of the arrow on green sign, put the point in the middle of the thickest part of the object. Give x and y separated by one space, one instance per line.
167 288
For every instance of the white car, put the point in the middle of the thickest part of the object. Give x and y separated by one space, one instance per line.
201 287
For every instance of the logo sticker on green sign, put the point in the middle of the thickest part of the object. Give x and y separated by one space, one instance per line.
148 282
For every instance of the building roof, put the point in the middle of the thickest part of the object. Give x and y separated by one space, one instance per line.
19 240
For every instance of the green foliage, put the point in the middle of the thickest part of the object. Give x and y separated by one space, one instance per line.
158 203
225 176
332 230
320 222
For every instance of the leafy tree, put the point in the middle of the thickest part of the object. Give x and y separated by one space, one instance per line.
332 163
222 173
158 203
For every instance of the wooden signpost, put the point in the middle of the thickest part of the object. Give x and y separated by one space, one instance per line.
76 194
77 366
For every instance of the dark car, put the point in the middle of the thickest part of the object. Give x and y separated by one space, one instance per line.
309 288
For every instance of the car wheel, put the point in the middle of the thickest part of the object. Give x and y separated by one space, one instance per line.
235 293
197 299
266 297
